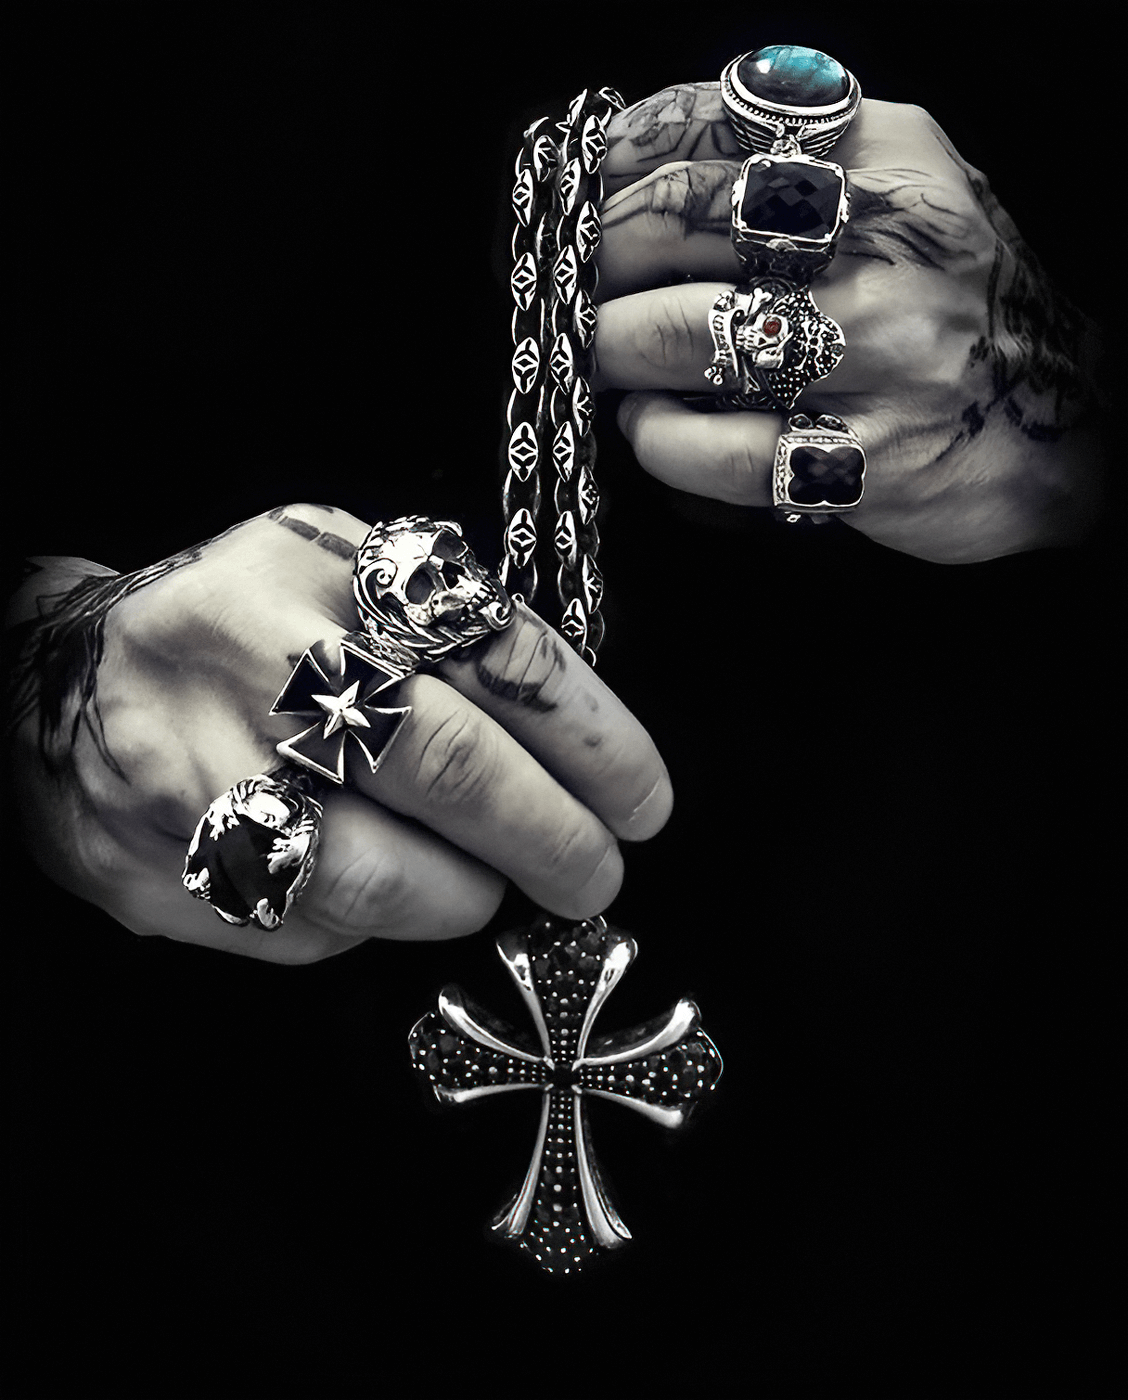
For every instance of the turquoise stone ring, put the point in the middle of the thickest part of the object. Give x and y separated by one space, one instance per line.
787 100
793 76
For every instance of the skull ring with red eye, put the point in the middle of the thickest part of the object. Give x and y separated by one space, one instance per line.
421 593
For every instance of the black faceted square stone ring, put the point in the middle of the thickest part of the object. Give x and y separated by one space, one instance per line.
421 594
787 215
819 468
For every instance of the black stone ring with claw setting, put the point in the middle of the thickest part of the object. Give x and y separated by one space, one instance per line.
421 594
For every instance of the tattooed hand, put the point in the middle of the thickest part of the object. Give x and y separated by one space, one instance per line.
968 381
516 763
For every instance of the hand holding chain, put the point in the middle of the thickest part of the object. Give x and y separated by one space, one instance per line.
420 596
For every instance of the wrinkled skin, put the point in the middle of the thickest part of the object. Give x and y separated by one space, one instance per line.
968 381
516 762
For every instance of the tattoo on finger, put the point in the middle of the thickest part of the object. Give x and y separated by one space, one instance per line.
324 539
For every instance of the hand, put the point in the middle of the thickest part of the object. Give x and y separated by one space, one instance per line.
966 379
514 762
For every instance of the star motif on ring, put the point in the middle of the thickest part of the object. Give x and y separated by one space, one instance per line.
342 706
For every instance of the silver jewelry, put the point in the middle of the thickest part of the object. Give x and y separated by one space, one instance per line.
770 341
343 707
788 212
788 105
819 467
788 99
255 847
550 415
562 1215
421 594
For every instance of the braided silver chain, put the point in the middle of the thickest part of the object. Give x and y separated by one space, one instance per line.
551 411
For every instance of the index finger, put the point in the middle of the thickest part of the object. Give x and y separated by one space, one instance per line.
684 122
536 687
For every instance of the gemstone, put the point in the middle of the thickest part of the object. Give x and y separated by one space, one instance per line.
831 474
791 197
772 325
793 76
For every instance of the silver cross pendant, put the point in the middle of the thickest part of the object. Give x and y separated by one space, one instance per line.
565 972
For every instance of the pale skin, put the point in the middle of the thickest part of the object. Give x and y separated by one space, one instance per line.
964 378
516 762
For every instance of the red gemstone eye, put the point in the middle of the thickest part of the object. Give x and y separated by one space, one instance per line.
772 325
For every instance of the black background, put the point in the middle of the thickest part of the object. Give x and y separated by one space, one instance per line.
259 261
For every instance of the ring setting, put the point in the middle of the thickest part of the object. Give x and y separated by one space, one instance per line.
787 105
421 595
786 97
788 213
770 341
819 467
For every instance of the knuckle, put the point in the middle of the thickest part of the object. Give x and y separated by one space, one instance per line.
458 762
372 891
669 190
575 854
739 473
668 340
913 116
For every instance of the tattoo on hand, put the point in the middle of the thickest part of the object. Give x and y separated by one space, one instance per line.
685 122
54 658
697 197
1035 341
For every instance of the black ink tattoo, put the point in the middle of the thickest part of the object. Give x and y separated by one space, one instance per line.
686 122
1034 345
56 657
524 693
324 539
696 196
899 216
546 656
336 544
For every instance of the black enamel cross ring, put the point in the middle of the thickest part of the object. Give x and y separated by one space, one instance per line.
343 707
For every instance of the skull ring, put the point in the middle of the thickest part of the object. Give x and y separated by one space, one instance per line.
770 341
421 593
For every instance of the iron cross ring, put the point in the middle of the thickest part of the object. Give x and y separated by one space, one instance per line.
420 594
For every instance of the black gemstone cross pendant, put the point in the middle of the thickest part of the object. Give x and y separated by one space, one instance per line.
343 707
565 972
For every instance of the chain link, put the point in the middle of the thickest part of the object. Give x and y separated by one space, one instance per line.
551 411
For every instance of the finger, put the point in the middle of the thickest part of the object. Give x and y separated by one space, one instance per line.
379 876
687 122
658 339
537 688
673 224
895 136
727 456
683 122
904 327
376 876
461 774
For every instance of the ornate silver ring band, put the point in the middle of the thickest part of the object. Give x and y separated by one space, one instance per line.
819 468
421 594
786 98
770 341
